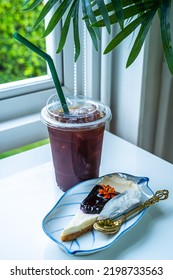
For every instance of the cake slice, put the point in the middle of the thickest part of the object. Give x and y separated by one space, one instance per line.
90 208
78 225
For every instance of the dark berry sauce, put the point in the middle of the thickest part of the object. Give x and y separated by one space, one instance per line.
94 202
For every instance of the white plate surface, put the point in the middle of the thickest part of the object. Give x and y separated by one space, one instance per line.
68 205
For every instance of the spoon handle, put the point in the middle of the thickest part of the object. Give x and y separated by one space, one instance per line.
159 195
112 226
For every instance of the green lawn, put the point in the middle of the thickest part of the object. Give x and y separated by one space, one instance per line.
24 148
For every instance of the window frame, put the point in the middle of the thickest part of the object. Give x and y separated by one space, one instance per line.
21 101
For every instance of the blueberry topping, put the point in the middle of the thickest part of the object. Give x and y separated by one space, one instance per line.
94 202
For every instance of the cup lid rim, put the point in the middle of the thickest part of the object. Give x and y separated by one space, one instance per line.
50 120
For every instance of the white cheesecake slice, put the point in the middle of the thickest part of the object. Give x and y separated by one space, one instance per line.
118 183
82 222
78 225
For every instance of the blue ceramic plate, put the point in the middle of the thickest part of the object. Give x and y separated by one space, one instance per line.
69 204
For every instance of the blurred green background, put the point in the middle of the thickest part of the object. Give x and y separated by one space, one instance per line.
16 61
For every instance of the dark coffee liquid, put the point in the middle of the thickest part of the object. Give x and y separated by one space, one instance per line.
76 154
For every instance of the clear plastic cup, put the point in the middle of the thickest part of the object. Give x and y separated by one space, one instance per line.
76 138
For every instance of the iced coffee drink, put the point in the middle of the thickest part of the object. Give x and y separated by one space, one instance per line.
76 138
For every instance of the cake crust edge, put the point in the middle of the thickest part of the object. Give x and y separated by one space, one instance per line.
74 235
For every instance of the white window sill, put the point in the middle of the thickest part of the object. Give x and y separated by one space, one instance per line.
22 87
23 125
21 131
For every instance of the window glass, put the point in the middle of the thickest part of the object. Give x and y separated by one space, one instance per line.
16 61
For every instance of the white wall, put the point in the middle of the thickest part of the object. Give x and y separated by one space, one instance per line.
126 95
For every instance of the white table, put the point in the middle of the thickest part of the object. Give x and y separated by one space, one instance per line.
28 192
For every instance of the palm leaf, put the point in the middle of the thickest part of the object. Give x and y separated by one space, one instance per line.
26 2
124 33
164 13
92 31
125 3
65 27
140 38
103 10
129 12
88 12
48 6
32 6
76 32
118 8
57 16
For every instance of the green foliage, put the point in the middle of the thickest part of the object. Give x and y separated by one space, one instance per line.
130 15
16 61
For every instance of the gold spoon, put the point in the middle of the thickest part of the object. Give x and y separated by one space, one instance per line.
113 226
